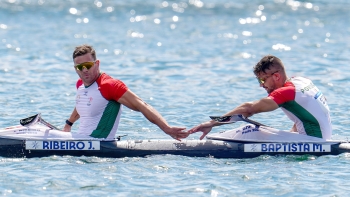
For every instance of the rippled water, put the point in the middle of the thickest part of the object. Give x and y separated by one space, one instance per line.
188 59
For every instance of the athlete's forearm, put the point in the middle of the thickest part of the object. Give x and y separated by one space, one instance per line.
74 116
245 109
69 122
154 116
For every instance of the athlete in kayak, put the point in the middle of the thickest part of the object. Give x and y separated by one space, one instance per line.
100 98
298 97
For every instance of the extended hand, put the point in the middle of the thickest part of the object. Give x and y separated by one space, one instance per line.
177 133
204 127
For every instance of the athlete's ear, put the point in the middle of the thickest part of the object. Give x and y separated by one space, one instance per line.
276 76
97 62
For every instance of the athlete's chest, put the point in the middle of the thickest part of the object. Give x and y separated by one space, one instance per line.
90 98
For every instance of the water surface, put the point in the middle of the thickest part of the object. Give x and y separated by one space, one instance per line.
188 59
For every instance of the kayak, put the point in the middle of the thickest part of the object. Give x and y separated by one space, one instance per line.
35 137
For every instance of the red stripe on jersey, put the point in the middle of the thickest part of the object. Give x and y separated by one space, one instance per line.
283 94
111 89
79 83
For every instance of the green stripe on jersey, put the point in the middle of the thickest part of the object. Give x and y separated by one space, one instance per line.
107 121
311 126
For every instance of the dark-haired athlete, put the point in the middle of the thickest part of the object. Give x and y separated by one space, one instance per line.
298 97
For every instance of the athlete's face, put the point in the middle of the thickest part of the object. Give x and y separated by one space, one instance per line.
267 80
86 73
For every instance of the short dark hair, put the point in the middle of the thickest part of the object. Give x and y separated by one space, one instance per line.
84 49
266 63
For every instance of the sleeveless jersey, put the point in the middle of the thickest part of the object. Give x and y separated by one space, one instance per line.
98 106
306 106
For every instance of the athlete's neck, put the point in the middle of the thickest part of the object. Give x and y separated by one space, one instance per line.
87 85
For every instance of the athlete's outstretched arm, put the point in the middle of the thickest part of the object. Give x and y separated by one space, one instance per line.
132 101
250 108
246 109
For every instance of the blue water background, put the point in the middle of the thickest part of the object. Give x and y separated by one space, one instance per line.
188 59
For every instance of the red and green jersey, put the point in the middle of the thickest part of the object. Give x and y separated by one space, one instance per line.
306 106
98 106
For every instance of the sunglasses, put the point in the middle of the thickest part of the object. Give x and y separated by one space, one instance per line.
262 81
87 65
